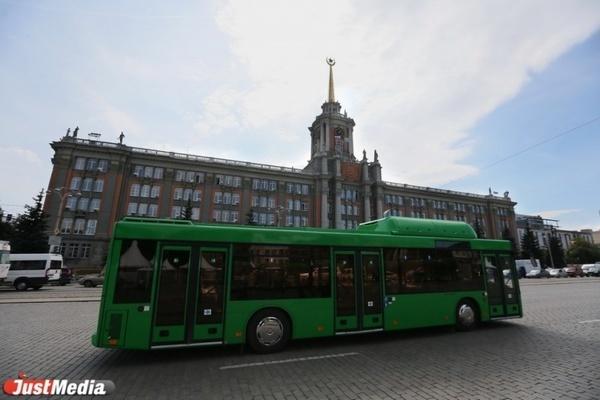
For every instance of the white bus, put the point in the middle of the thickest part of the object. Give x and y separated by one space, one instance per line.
4 259
33 270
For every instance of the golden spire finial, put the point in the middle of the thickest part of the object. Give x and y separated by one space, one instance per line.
331 62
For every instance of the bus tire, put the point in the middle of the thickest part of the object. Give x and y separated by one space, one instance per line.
21 285
268 331
467 315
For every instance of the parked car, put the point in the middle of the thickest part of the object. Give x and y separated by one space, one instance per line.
591 269
524 266
66 276
538 273
557 273
91 280
574 270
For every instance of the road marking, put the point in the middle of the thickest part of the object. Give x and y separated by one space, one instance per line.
589 321
288 360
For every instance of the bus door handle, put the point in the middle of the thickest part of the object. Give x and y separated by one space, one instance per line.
143 308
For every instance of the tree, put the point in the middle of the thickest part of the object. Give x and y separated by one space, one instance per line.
6 228
556 250
530 247
250 217
187 211
30 229
582 252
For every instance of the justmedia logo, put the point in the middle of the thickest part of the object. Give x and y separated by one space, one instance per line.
25 385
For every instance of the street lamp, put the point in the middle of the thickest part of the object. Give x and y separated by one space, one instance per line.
63 193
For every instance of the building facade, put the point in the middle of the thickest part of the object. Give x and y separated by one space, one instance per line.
95 183
543 228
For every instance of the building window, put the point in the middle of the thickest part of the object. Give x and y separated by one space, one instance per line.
178 194
271 202
158 173
176 212
79 226
66 225
254 201
91 227
227 198
179 176
145 192
216 215
235 199
80 163
155 192
99 185
95 205
138 171
83 204
195 213
142 209
148 172
73 250
218 197
71 202
132 209
103 165
235 216
92 164
75 183
135 190
85 250
187 194
196 195
152 210
87 184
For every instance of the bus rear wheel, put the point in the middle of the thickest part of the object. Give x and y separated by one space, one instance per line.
268 331
467 315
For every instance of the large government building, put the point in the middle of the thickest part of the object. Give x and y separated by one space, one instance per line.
96 183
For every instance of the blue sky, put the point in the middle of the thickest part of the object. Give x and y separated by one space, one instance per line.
440 90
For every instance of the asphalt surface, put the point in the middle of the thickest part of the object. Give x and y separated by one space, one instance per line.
551 353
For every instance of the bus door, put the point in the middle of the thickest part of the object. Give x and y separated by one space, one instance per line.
189 300
358 291
501 286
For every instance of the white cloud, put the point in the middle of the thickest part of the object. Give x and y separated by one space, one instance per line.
553 214
416 76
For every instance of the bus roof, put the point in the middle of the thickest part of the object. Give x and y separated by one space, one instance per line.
385 232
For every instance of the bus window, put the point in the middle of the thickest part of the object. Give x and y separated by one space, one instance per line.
210 299
170 306
134 277
279 272
427 270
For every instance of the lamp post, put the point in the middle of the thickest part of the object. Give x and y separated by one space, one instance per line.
63 193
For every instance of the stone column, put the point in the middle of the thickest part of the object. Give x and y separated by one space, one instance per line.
324 213
338 205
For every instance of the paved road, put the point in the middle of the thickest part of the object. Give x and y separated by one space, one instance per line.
552 353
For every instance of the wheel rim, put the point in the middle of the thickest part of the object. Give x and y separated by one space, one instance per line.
466 315
21 286
269 331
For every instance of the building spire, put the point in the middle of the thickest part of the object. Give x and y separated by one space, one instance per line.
331 63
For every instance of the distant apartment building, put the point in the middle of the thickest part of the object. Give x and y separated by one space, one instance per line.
543 228
95 183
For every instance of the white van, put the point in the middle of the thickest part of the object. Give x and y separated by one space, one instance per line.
4 259
525 265
33 270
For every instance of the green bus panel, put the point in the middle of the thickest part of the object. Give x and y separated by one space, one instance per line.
310 317
346 323
406 311
168 334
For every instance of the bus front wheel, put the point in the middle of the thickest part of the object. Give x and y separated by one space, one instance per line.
467 315
268 331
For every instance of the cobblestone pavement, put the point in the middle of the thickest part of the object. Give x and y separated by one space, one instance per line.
552 353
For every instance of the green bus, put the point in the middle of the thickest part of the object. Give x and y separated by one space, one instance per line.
174 283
